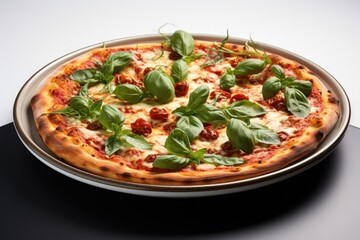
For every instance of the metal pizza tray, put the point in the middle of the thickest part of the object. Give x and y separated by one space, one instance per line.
26 130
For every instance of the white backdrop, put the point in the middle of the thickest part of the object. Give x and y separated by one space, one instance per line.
33 33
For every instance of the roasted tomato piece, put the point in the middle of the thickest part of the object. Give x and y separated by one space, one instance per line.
141 127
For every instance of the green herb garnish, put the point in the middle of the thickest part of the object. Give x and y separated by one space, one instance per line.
295 91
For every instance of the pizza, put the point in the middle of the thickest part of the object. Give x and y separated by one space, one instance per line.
183 111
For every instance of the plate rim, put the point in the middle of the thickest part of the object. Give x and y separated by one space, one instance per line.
179 191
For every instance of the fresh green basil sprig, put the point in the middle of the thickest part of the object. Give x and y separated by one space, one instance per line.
241 133
114 63
197 111
112 119
188 122
182 43
245 136
217 54
295 91
81 107
249 66
181 155
157 84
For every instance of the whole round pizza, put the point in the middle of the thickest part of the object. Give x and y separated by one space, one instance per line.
183 111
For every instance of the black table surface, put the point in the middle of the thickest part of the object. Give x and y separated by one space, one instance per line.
37 202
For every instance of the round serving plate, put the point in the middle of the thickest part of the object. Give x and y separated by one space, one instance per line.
27 132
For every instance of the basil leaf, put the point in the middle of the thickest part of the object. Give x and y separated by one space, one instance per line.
137 141
178 143
278 71
240 135
107 70
111 118
129 93
179 71
288 81
303 85
182 43
119 61
90 76
227 80
84 90
207 113
197 98
160 86
85 76
271 87
192 57
296 102
191 125
249 66
180 111
81 105
95 107
112 145
263 134
171 162
199 154
243 109
220 160
68 111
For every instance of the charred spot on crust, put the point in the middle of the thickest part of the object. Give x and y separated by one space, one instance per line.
332 99
259 162
300 67
293 147
126 175
319 135
42 123
35 98
104 168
